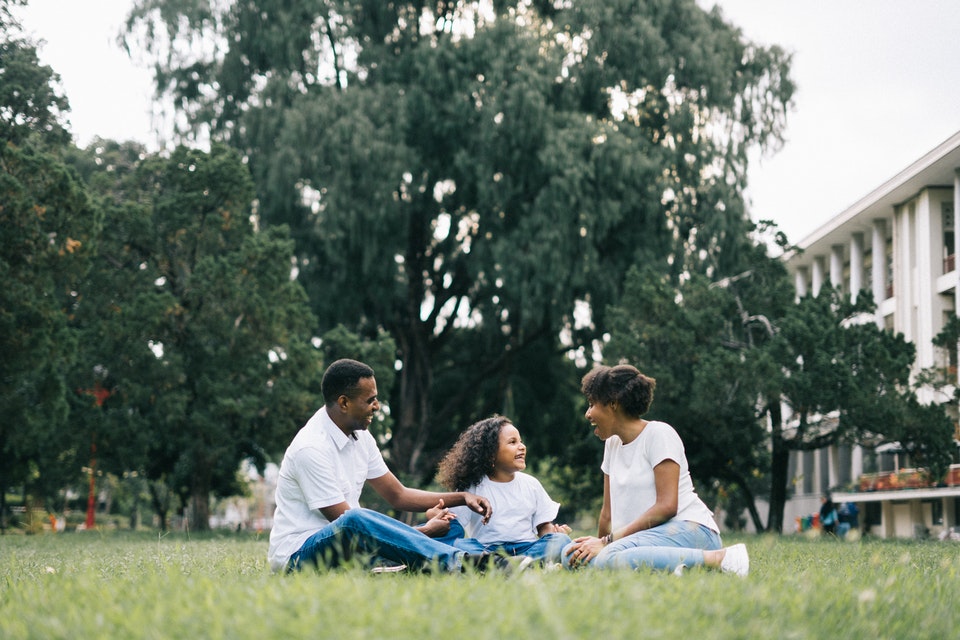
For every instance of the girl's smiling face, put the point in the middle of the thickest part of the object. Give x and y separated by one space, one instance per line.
511 456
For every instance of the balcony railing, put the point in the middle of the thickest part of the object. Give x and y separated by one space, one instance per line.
907 479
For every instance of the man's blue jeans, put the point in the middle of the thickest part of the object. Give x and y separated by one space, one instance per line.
667 546
369 533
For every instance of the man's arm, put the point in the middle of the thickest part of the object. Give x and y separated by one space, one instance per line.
334 511
406 499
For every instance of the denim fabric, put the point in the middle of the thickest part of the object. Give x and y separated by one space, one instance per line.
546 549
666 547
369 534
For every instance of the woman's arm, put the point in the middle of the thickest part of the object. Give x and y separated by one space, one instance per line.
586 548
603 524
666 475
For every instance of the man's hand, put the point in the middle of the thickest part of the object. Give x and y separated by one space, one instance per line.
478 504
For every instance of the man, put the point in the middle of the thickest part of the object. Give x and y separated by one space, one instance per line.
319 520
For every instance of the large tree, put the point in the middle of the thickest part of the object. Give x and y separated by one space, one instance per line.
48 230
691 337
192 321
844 380
477 177
747 376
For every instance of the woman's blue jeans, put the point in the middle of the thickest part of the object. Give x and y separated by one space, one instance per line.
367 533
667 546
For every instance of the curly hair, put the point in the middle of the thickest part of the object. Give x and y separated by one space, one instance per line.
472 455
623 385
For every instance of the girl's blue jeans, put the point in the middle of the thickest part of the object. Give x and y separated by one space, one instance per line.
666 547
545 549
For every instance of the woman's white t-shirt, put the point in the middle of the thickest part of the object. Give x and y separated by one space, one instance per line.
519 506
633 489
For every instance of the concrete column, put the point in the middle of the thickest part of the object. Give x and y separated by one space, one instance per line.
836 266
878 248
816 277
800 282
927 234
856 265
856 462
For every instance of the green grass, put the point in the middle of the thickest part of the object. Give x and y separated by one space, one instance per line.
125 585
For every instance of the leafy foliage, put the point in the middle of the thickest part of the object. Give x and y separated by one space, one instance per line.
467 176
193 322
49 231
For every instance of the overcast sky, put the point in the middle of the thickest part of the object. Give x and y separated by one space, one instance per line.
878 87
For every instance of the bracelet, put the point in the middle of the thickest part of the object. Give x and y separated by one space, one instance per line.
607 539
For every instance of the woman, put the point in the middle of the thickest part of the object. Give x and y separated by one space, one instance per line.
651 515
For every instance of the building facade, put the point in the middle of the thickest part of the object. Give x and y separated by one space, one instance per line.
898 242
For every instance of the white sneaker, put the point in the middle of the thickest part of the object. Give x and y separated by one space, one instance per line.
679 570
736 560
524 564
389 568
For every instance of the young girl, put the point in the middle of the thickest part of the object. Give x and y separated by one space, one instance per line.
489 458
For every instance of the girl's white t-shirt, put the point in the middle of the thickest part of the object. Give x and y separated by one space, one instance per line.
633 489
518 507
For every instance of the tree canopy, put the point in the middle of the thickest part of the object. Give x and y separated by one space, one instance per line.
477 178
49 235
192 321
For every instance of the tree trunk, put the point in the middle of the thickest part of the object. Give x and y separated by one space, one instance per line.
160 503
751 506
779 464
411 431
200 503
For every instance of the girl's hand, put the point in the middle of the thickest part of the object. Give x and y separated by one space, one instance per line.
433 512
554 528
584 549
438 523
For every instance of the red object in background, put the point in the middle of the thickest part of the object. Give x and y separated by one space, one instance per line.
100 396
90 522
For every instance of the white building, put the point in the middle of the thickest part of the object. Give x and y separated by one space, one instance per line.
898 241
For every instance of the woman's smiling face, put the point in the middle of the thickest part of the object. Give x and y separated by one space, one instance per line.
602 417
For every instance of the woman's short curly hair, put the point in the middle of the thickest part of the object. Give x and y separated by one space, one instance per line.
622 385
472 455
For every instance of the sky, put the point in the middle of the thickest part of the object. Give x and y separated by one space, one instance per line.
877 88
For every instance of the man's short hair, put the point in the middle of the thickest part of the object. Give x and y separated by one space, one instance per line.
343 377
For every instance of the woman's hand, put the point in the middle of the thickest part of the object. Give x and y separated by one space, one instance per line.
584 549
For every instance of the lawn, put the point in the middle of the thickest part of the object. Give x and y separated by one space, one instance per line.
126 585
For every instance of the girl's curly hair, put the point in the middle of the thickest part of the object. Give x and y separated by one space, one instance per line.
472 455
